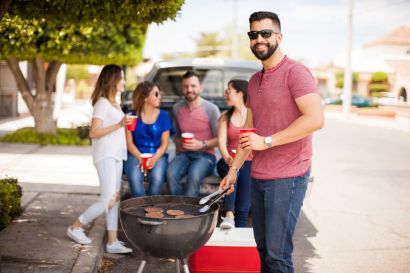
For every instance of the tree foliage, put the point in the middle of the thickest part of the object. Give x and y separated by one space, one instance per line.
93 42
79 11
49 33
379 84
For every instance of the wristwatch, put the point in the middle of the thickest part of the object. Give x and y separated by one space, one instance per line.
268 141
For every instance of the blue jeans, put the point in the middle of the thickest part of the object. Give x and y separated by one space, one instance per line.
239 201
196 165
276 205
156 176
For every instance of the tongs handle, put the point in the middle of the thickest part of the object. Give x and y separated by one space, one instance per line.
206 198
208 206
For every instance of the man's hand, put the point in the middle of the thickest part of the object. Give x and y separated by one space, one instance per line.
229 181
193 145
252 141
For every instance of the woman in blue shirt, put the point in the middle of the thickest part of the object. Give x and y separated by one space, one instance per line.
151 135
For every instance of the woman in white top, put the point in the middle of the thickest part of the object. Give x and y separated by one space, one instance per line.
109 149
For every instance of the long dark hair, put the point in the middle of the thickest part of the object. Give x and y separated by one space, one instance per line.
239 86
140 93
106 85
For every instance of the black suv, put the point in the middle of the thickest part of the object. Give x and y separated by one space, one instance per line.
215 74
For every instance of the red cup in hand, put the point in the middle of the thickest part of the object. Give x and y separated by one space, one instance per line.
233 153
247 130
145 157
131 126
187 137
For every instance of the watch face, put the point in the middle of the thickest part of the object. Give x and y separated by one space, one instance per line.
268 140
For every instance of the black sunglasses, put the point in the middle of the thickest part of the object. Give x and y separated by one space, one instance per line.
265 33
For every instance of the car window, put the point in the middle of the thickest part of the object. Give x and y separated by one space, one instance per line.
214 80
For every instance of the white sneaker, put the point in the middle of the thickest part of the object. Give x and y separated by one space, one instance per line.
227 223
78 235
117 248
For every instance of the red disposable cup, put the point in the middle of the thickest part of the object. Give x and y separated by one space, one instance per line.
145 157
247 130
133 124
187 137
233 153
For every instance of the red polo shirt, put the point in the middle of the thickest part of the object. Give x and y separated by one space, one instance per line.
271 97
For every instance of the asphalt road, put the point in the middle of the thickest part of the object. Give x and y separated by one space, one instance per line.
356 217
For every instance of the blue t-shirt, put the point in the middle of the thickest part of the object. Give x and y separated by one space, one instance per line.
147 137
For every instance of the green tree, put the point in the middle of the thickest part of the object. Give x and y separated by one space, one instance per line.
80 11
209 45
379 84
340 77
49 33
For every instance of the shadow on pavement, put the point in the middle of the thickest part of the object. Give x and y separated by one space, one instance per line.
304 250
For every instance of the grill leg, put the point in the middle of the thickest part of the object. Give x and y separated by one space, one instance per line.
141 267
177 267
185 266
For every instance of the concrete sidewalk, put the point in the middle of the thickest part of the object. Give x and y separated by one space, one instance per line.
36 241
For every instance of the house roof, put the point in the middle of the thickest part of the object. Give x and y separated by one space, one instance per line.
397 37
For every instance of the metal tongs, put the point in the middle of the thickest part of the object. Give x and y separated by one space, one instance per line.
206 200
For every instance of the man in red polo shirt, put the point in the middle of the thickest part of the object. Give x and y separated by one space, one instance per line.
285 108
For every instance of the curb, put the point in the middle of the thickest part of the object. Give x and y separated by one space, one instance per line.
89 259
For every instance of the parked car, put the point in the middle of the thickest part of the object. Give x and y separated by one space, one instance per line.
357 100
215 74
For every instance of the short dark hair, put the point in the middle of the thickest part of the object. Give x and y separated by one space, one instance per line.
260 15
191 73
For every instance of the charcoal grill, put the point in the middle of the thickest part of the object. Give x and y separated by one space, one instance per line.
168 237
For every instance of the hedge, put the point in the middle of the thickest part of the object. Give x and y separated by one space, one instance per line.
10 195
64 136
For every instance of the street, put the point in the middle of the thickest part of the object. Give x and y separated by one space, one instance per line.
357 218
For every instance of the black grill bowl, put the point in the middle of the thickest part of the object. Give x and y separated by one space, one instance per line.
168 237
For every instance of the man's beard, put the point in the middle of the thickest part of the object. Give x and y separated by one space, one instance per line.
191 97
264 56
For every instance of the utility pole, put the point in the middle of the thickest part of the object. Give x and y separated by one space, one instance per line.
347 81
234 52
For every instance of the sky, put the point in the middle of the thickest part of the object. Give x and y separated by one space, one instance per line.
314 31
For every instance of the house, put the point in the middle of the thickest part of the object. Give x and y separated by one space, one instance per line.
390 54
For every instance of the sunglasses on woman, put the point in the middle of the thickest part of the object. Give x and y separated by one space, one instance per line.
265 33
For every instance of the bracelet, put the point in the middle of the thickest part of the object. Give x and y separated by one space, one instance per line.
235 168
204 144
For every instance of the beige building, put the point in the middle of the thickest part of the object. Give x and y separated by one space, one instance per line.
390 54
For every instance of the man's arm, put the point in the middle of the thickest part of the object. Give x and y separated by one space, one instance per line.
239 159
312 119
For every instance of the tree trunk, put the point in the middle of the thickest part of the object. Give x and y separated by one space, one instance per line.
40 105
4 7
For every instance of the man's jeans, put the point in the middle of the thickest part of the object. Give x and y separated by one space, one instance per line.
276 205
197 165
156 176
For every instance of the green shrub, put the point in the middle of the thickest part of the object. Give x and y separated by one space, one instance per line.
379 77
378 87
340 78
379 84
10 195
64 136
